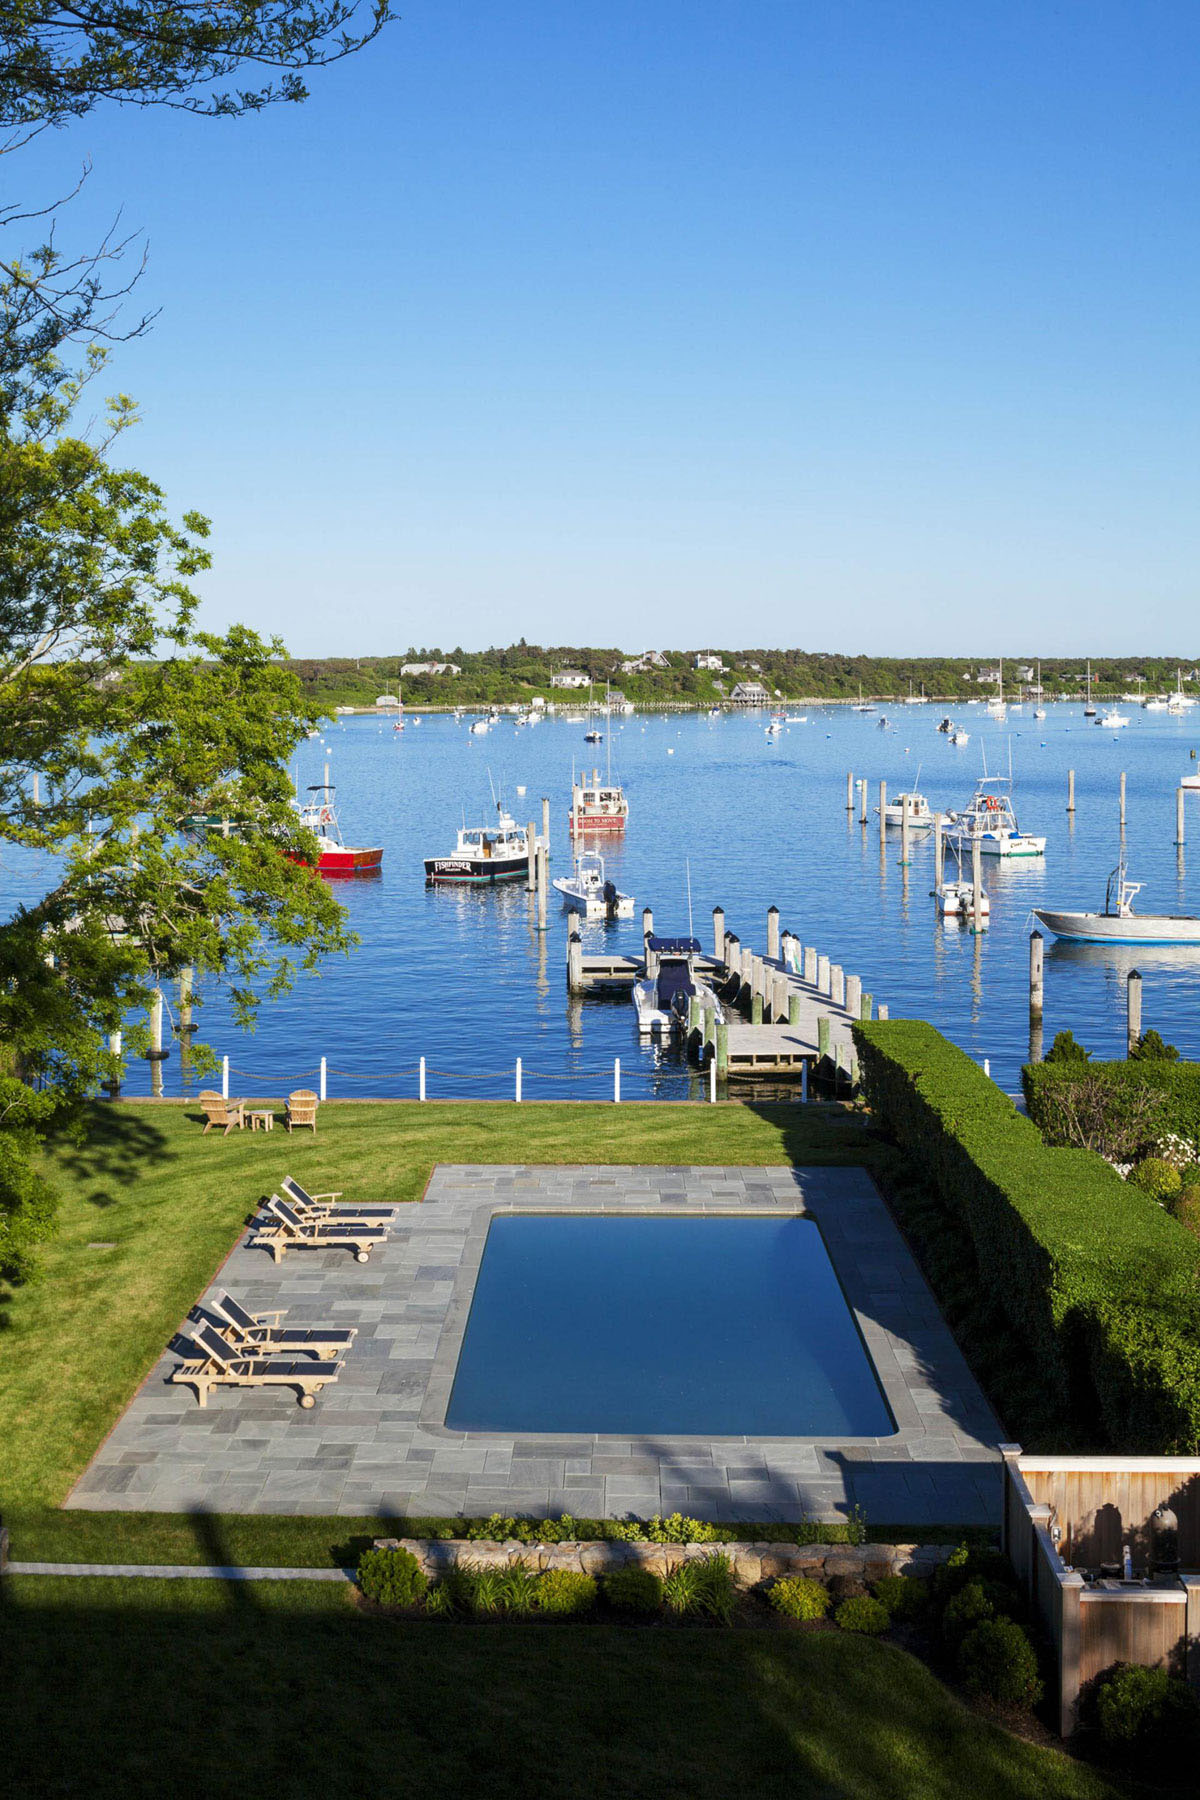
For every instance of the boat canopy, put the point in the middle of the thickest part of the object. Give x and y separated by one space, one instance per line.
673 946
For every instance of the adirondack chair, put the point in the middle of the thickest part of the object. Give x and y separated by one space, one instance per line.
220 1112
301 1110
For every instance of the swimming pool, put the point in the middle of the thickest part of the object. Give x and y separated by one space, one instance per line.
663 1324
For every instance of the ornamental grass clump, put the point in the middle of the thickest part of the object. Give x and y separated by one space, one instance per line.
997 1662
799 1597
391 1577
862 1614
566 1591
634 1590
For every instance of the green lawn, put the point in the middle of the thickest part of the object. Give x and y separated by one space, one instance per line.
128 1688
171 1203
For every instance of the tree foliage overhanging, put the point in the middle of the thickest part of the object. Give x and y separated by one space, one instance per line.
132 725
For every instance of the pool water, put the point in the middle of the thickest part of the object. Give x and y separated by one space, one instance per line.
671 1325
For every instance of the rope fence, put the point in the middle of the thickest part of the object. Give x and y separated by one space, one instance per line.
515 1073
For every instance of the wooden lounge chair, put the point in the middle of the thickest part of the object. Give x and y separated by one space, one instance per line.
248 1332
309 1205
217 1364
301 1110
221 1112
282 1229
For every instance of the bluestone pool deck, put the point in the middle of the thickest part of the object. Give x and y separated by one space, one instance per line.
376 1442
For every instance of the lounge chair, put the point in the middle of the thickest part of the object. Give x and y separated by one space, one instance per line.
301 1110
309 1205
282 1229
248 1332
221 1112
216 1364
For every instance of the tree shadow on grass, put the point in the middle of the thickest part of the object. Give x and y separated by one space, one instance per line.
116 1146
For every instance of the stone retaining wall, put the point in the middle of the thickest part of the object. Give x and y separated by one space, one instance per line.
752 1563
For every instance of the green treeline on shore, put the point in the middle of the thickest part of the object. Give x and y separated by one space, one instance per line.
518 672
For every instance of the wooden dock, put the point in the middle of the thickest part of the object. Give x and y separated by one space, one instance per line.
789 1013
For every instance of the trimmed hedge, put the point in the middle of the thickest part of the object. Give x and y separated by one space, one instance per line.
1100 1281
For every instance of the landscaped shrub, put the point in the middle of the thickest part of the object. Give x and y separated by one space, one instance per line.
634 1590
1151 1048
391 1577
566 1591
905 1596
1064 1049
1138 1707
1100 1282
1152 1096
1186 1207
864 1614
966 1609
996 1661
796 1597
715 1594
1157 1177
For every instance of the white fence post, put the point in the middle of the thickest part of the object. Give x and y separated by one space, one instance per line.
224 1078
518 1079
421 1078
712 1077
322 1078
616 1081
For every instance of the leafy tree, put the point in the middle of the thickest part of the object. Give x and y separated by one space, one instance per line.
57 62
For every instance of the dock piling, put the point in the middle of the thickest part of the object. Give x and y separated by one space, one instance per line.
546 823
37 788
854 996
849 790
862 803
1133 1012
531 852
882 814
866 1007
773 934
1070 790
881 1011
719 950
543 873
1037 989
1180 796
938 854
574 960
904 839
976 886
822 1036
837 985
793 1009
722 1047
823 975
810 966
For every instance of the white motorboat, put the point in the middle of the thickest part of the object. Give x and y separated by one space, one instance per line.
921 816
1189 781
1118 923
959 736
991 821
956 900
1113 719
588 891
662 997
478 727
1156 703
483 855
796 719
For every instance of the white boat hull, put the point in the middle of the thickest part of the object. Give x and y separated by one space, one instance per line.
592 902
995 844
1105 928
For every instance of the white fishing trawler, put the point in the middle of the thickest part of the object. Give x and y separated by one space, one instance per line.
921 816
483 855
589 892
990 821
1118 923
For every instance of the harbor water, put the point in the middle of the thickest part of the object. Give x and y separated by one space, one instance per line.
464 978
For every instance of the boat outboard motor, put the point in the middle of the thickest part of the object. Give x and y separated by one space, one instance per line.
1164 1542
610 893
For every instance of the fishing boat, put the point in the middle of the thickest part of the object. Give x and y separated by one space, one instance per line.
959 736
1189 781
921 816
1155 703
1113 719
318 815
774 729
662 997
588 891
593 737
484 855
989 819
597 805
479 726
1118 923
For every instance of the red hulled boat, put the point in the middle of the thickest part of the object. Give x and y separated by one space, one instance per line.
336 858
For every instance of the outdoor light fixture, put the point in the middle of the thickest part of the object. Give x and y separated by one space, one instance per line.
1164 1541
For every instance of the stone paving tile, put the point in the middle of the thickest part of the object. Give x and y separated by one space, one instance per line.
375 1442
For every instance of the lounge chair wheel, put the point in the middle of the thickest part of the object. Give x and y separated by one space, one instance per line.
307 1400
361 1255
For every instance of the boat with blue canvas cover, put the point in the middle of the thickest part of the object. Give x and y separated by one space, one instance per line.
662 997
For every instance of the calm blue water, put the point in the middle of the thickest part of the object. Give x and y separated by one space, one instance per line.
464 978
726 1327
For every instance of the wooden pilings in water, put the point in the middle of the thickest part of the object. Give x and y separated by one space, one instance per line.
1037 991
531 849
719 949
1180 796
1133 1011
1070 790
882 814
849 790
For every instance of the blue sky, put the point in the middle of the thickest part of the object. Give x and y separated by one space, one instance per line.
864 326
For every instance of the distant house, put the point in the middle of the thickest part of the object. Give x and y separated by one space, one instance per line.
706 660
749 693
430 668
649 659
570 678
757 667
1025 672
386 700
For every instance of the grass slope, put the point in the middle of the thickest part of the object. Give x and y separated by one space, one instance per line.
172 1203
190 1687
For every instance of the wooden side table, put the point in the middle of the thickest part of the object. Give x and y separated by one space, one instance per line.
263 1120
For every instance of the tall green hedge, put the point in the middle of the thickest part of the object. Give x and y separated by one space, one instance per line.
1178 1083
1098 1279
